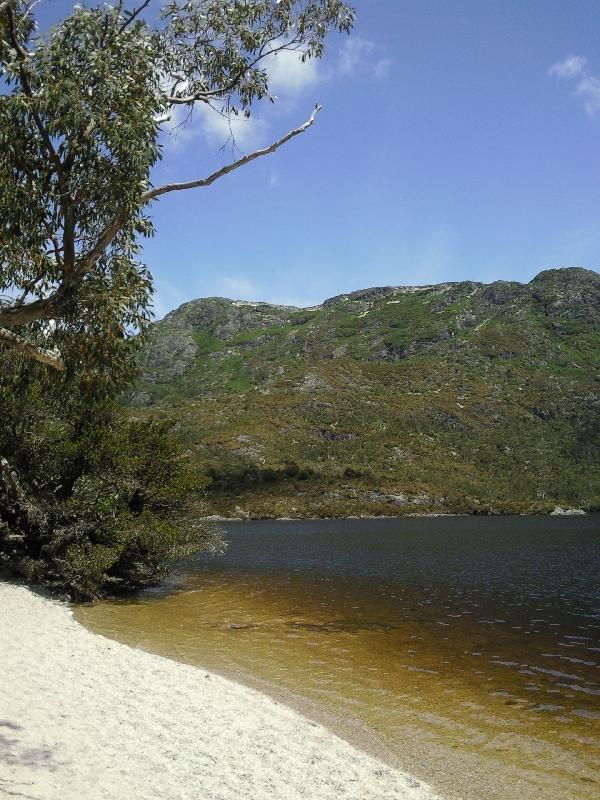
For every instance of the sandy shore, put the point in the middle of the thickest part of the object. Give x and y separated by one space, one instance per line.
82 716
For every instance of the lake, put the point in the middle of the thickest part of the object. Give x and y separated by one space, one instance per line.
466 650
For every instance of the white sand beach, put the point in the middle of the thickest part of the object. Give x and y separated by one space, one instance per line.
86 718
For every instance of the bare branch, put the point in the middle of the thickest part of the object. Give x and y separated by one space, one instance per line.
135 13
48 357
176 187
47 308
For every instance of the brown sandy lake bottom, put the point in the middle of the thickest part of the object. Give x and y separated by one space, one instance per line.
464 650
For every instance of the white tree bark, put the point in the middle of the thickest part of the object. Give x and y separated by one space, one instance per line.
48 357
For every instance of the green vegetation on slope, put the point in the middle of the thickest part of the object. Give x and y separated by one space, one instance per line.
457 397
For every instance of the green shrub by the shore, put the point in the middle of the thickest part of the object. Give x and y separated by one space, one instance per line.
91 502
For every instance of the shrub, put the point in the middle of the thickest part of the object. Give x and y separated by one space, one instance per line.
91 502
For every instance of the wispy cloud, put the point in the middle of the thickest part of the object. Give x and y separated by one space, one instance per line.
569 67
358 55
432 258
282 292
382 68
214 126
587 88
353 54
219 126
239 288
288 74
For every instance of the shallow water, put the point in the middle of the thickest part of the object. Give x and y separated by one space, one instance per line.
466 650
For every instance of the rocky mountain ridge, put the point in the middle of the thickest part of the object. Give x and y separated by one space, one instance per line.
457 396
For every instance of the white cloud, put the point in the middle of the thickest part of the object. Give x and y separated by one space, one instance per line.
353 54
217 128
569 67
587 84
359 55
288 73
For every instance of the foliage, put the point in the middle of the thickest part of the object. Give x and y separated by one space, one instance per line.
218 47
91 502
104 501
78 136
81 113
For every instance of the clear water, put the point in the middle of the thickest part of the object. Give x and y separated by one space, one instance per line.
466 650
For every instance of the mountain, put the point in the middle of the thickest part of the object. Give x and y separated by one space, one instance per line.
456 397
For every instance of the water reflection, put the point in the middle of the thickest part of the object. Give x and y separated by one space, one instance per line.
465 649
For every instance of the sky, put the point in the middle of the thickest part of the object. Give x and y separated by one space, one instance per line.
459 140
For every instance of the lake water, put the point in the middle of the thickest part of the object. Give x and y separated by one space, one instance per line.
464 649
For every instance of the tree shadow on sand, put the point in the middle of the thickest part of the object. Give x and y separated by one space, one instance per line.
14 753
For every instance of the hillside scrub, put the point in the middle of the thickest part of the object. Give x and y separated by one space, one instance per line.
457 398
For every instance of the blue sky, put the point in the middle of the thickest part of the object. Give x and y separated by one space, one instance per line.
459 139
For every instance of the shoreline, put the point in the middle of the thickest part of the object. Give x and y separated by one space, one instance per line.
86 716
557 512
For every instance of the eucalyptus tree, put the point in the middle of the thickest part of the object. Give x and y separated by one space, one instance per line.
81 112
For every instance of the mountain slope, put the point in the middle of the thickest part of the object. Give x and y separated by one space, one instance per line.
455 397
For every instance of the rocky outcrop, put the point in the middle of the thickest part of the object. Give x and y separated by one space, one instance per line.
171 349
571 292
176 341
501 292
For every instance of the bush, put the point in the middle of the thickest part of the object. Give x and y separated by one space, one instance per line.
91 502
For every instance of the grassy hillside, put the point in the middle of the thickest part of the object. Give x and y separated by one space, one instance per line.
456 397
